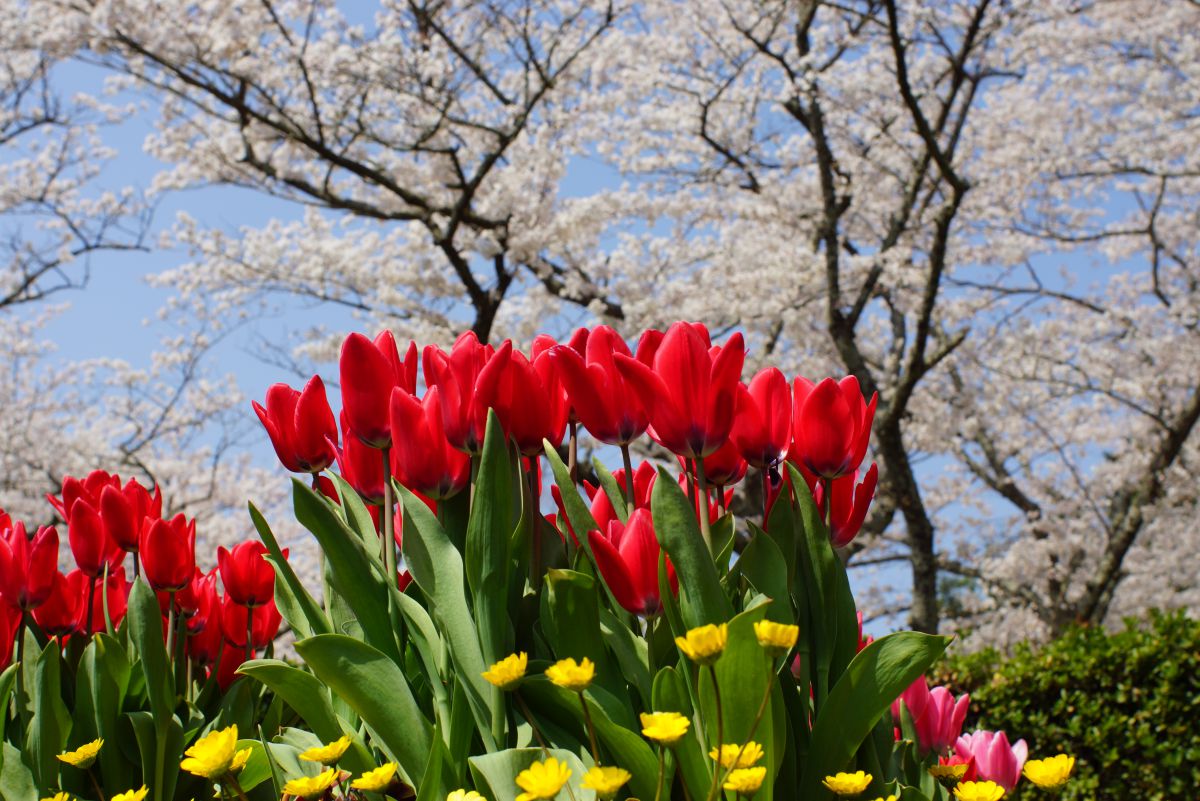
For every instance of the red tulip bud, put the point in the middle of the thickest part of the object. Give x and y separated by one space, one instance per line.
248 578
90 543
167 550
27 567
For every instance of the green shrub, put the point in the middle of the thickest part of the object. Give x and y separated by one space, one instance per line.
1127 705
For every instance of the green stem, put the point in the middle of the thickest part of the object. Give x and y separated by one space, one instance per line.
171 628
537 733
587 717
702 506
237 787
535 519
95 785
766 484
629 496
573 452
136 566
249 633
712 791
389 523
662 773
827 503
91 602
22 706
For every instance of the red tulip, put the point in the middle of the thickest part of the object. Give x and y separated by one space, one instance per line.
10 621
360 465
227 662
369 370
628 561
62 610
424 459
301 426
602 508
114 592
89 488
205 644
249 579
265 623
763 429
168 553
725 466
456 376
851 501
199 601
527 397
598 392
831 425
27 567
690 393
90 544
5 520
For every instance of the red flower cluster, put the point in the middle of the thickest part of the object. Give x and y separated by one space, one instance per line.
107 520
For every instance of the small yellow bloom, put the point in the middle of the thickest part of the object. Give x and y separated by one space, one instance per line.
311 786
949 771
606 780
83 756
542 780
131 795
776 638
571 676
664 728
58 797
239 760
704 644
848 783
465 795
979 791
1050 772
744 757
889 798
377 780
745 781
508 672
212 755
328 754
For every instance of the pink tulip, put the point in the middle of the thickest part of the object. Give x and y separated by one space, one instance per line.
995 760
936 715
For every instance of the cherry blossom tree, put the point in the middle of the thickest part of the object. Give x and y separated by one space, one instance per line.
886 189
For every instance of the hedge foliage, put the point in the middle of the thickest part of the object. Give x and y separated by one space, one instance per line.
1127 705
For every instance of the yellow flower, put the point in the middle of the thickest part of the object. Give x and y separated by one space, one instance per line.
745 781
1050 772
328 754
949 771
58 797
776 638
311 786
664 728
979 791
131 795
606 780
239 760
508 672
704 644
465 795
378 780
542 779
889 798
745 757
848 783
83 756
571 676
212 755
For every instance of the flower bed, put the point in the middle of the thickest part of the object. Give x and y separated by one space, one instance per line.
638 642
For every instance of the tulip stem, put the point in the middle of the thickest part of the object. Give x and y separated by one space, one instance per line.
573 451
249 632
629 496
702 506
91 603
171 628
827 512
136 566
21 673
766 484
534 519
389 522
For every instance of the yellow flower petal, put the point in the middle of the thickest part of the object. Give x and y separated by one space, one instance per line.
733 755
328 754
606 780
131 795
979 791
745 781
664 728
83 756
1051 771
212 755
776 638
465 795
569 675
377 780
508 672
58 797
543 780
848 783
311 786
704 644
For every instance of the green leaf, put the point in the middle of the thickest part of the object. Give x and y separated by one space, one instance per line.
353 575
161 750
295 604
496 774
671 695
373 685
51 720
8 680
630 651
764 567
305 693
702 600
573 628
101 684
437 569
16 782
488 529
146 630
608 483
875 678
257 769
